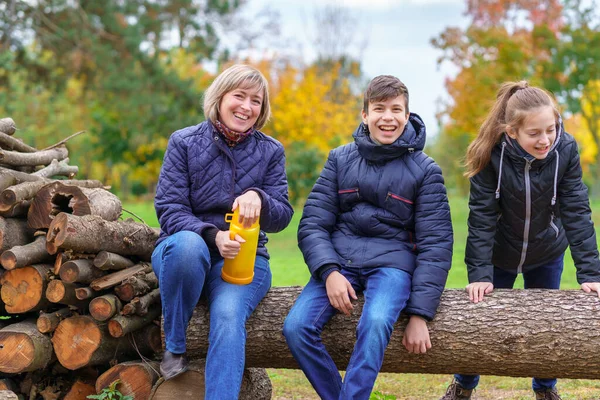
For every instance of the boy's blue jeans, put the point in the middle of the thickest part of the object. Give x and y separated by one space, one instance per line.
185 270
544 277
386 292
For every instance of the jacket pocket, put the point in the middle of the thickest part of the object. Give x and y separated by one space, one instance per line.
400 206
348 198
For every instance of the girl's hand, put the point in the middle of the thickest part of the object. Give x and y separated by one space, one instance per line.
476 290
249 204
589 287
416 336
227 247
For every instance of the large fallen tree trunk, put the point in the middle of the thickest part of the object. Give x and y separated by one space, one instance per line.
542 333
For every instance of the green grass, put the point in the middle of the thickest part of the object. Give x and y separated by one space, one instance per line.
288 269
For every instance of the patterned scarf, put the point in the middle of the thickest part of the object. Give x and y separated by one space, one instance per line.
231 137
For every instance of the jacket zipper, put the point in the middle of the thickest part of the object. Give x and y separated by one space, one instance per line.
527 215
553 225
395 196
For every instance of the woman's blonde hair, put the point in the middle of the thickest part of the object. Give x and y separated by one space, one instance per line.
237 76
513 103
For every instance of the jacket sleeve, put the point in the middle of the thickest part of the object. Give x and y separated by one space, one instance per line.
318 220
434 239
276 212
172 201
484 210
576 216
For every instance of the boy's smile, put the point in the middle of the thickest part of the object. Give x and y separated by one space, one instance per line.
386 119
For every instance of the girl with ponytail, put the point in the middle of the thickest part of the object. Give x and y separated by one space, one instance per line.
527 204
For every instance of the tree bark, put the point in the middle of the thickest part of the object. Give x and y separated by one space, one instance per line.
114 279
23 289
43 157
92 234
14 232
58 168
8 142
111 261
542 333
27 190
80 340
121 325
105 307
47 322
137 378
141 305
23 348
81 271
7 125
136 286
256 385
57 197
31 253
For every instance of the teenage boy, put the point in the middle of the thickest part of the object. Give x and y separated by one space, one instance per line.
378 222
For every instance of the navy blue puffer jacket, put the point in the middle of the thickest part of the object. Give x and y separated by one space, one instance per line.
382 206
201 176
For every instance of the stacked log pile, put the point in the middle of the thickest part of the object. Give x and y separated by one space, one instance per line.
77 289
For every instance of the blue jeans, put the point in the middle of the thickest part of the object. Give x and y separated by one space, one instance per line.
386 292
544 277
185 270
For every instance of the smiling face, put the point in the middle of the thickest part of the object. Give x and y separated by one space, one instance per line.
240 108
537 133
386 119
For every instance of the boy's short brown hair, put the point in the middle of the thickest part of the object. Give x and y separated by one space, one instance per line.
384 87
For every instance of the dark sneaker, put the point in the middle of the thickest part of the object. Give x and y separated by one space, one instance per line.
457 392
549 394
173 365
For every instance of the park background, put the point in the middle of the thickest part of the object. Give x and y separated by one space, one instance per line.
130 72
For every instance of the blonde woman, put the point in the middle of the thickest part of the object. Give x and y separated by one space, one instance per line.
209 170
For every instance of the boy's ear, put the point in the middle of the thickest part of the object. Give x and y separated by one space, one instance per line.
511 132
364 116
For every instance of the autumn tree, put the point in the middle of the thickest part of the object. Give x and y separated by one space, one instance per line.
505 41
573 72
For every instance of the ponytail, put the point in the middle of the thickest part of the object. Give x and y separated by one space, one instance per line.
513 101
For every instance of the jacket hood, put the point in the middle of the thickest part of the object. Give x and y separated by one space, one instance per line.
412 138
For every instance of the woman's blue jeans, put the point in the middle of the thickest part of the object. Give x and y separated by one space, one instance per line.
386 292
185 270
544 277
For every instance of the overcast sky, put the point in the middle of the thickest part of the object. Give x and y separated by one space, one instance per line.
396 35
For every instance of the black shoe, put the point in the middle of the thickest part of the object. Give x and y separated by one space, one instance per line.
173 365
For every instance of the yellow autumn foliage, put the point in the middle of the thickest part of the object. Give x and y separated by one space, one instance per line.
313 106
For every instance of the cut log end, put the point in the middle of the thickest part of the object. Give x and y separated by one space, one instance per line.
16 352
56 291
115 329
75 341
8 260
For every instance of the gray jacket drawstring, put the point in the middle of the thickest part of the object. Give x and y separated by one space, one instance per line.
500 171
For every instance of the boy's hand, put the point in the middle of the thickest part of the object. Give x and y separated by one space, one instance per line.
249 204
589 287
338 289
416 336
227 247
476 290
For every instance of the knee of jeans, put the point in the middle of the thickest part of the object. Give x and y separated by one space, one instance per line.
377 323
188 247
296 329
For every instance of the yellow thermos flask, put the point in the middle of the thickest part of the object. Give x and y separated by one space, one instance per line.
240 270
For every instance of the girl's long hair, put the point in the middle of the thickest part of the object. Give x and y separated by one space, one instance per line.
513 102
